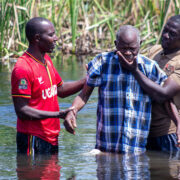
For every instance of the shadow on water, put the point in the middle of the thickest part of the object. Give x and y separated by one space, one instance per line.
72 161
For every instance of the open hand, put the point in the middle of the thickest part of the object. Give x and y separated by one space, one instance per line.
131 66
70 122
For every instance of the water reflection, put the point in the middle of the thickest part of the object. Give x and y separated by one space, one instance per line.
38 167
164 165
115 166
174 165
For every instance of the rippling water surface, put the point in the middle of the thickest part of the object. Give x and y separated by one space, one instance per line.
73 160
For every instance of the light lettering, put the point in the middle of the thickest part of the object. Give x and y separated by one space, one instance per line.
43 95
49 92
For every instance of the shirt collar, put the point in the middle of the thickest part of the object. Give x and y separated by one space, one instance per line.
139 59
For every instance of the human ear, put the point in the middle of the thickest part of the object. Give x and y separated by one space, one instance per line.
37 37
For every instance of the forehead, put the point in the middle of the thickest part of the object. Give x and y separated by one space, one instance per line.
172 25
46 26
128 37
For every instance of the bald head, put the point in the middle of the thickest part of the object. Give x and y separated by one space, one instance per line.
34 26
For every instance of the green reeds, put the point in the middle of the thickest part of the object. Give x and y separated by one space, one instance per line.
5 16
73 14
108 18
12 23
78 19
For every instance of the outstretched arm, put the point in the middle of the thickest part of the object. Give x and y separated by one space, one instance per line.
78 103
157 92
70 88
24 111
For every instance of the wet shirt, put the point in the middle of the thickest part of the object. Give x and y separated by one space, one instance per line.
161 122
124 109
38 82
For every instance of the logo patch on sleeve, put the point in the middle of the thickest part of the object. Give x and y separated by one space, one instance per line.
169 69
23 84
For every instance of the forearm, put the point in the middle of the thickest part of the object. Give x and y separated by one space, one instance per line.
24 111
29 113
79 102
157 92
173 112
82 98
70 88
174 115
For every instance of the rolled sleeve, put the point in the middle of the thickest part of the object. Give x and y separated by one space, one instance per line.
94 77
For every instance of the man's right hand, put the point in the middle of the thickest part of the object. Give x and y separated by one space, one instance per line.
70 122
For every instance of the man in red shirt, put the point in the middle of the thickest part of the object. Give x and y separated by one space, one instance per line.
35 87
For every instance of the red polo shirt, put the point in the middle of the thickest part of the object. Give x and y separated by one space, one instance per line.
38 82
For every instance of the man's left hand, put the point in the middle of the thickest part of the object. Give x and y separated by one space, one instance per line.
70 122
131 66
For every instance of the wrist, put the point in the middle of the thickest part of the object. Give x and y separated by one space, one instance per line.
75 110
57 115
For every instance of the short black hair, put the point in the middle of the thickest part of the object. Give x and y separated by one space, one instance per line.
32 27
175 18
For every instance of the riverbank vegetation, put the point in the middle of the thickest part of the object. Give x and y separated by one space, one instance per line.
83 26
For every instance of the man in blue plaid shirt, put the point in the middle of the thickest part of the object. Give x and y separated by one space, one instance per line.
124 109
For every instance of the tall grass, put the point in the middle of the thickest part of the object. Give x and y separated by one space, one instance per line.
74 14
80 21
12 22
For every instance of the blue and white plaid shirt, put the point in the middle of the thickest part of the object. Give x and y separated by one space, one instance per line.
124 109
